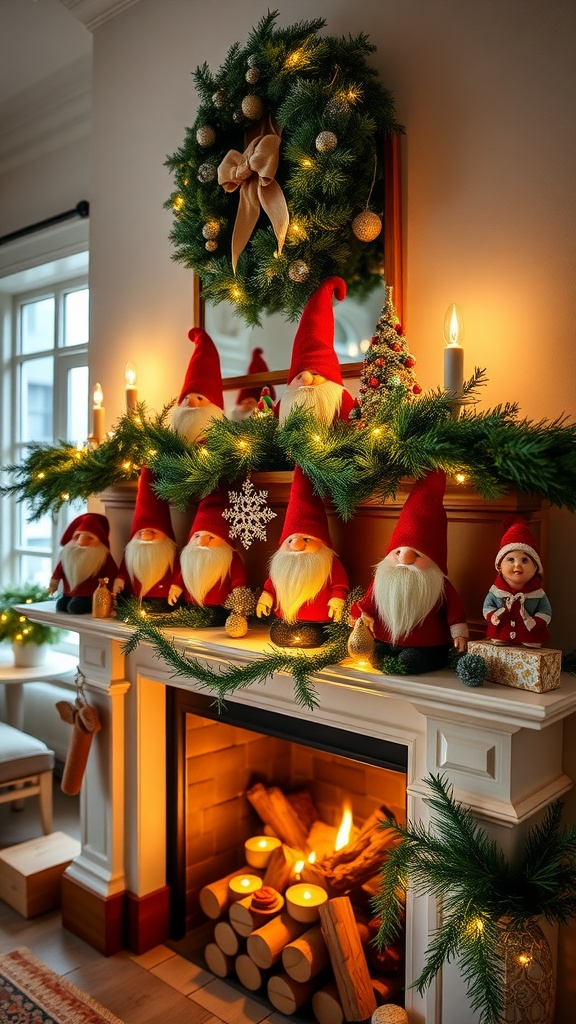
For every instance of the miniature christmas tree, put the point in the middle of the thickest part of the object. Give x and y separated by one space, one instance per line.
387 366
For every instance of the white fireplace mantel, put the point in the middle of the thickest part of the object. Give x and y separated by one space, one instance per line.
501 749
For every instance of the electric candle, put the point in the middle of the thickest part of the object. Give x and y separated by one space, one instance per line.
453 353
243 885
302 902
259 849
131 392
98 414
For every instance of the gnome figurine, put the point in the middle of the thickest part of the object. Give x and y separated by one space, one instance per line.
516 607
85 559
151 555
247 398
410 606
314 378
308 585
201 400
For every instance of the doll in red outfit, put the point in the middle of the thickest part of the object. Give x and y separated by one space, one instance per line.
247 398
84 560
411 607
151 555
314 378
210 567
308 585
201 400
516 607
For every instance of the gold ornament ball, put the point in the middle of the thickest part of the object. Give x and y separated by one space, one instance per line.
389 1014
218 98
337 107
238 117
236 625
326 141
205 136
298 271
211 245
252 76
206 173
252 60
252 107
367 226
211 229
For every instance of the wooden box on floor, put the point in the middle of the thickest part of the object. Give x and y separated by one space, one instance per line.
31 873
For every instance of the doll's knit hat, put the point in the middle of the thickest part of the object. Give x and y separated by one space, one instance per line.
203 375
313 347
150 512
90 522
257 365
305 512
517 537
422 523
209 517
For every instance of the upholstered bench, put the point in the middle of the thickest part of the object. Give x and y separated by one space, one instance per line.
26 766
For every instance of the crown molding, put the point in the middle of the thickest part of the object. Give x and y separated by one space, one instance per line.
94 13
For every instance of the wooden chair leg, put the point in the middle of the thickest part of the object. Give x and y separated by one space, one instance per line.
45 800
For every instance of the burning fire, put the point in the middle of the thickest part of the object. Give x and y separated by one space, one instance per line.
343 834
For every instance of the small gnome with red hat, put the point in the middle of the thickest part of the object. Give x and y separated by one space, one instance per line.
247 398
516 607
85 559
410 606
151 555
314 378
201 400
211 574
308 585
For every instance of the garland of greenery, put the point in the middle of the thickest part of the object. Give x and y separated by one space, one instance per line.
455 861
332 114
493 449
17 627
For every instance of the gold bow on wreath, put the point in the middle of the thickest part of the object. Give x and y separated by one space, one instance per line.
253 173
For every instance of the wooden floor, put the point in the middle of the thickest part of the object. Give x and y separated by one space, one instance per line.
159 987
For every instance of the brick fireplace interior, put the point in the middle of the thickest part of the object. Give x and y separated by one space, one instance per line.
214 760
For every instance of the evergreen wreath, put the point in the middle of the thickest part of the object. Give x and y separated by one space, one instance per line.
320 95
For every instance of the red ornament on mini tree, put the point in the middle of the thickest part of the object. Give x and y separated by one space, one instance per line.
387 366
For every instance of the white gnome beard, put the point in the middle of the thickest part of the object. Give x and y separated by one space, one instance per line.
79 563
238 414
193 423
404 594
298 576
324 400
203 567
148 560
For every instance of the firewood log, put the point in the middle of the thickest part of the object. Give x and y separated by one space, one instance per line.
265 945
306 956
215 898
226 938
287 995
326 1005
347 958
275 810
217 961
280 870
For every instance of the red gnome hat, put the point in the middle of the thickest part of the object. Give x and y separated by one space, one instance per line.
257 365
305 512
209 517
314 342
91 522
517 537
203 375
151 512
422 523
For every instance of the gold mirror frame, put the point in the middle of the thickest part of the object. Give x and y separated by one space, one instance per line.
393 269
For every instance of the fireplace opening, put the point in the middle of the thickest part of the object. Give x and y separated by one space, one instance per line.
240 776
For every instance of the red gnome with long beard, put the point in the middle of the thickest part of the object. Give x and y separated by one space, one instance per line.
314 378
411 607
201 400
210 567
151 555
308 585
247 398
84 560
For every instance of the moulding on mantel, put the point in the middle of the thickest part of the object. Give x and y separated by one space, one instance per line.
94 13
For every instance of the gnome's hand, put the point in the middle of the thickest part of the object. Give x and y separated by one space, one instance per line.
460 643
53 586
117 586
368 621
264 606
174 594
335 608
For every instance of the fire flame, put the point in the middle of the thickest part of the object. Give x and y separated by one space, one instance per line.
345 829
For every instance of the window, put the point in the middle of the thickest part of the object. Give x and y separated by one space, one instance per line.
45 398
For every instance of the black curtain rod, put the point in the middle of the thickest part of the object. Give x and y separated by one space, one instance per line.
82 209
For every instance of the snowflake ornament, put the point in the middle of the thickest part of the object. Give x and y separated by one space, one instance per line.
248 514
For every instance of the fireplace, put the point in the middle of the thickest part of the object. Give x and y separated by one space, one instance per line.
500 748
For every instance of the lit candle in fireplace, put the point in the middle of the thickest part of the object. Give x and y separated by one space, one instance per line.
303 901
243 885
259 849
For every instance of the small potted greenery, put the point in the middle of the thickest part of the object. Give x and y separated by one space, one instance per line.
490 905
29 640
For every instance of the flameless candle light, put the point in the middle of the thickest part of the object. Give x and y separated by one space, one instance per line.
259 849
453 353
98 414
243 885
131 392
302 902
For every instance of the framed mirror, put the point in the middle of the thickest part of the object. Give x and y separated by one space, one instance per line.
354 320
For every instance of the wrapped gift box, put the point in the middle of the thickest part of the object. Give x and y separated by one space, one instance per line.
526 668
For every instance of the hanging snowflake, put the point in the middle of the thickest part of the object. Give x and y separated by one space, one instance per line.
248 514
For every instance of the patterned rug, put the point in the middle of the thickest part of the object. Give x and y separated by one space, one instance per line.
30 993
